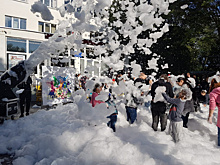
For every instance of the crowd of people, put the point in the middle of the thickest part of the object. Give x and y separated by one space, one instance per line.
177 95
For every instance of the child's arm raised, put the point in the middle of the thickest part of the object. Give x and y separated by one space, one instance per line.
168 99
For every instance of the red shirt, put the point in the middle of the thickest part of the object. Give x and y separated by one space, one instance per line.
93 100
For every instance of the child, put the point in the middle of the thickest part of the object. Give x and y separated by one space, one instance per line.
113 116
204 98
175 114
96 91
113 120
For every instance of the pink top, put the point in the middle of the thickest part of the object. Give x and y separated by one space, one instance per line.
93 100
215 101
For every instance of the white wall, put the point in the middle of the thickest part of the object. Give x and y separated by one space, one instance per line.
19 9
23 10
3 61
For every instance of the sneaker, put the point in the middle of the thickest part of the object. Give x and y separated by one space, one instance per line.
27 113
22 115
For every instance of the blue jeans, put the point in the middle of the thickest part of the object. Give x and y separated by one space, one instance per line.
218 136
147 104
131 114
113 120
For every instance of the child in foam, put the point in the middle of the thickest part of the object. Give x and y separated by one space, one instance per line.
96 91
204 98
113 120
175 114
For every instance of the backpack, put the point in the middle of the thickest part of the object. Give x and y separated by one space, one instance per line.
173 108
172 112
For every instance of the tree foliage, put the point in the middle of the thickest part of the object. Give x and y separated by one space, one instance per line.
192 42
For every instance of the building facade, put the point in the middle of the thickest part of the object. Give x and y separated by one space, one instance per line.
22 31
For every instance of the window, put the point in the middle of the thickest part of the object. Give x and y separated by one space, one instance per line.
68 1
16 45
53 28
41 27
54 3
90 53
19 45
8 21
72 62
96 70
89 65
33 45
22 23
13 22
46 27
21 0
50 3
47 2
104 69
82 69
59 62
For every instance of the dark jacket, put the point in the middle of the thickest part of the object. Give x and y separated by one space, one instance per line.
161 82
143 81
205 85
26 85
204 99
175 115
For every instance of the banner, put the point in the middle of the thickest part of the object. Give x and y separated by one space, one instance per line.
57 84
13 59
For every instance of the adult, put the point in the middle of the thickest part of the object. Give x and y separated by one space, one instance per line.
212 85
190 80
142 79
133 99
196 79
213 102
158 108
25 96
178 86
205 84
189 105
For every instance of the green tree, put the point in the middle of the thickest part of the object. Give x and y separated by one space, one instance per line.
192 42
